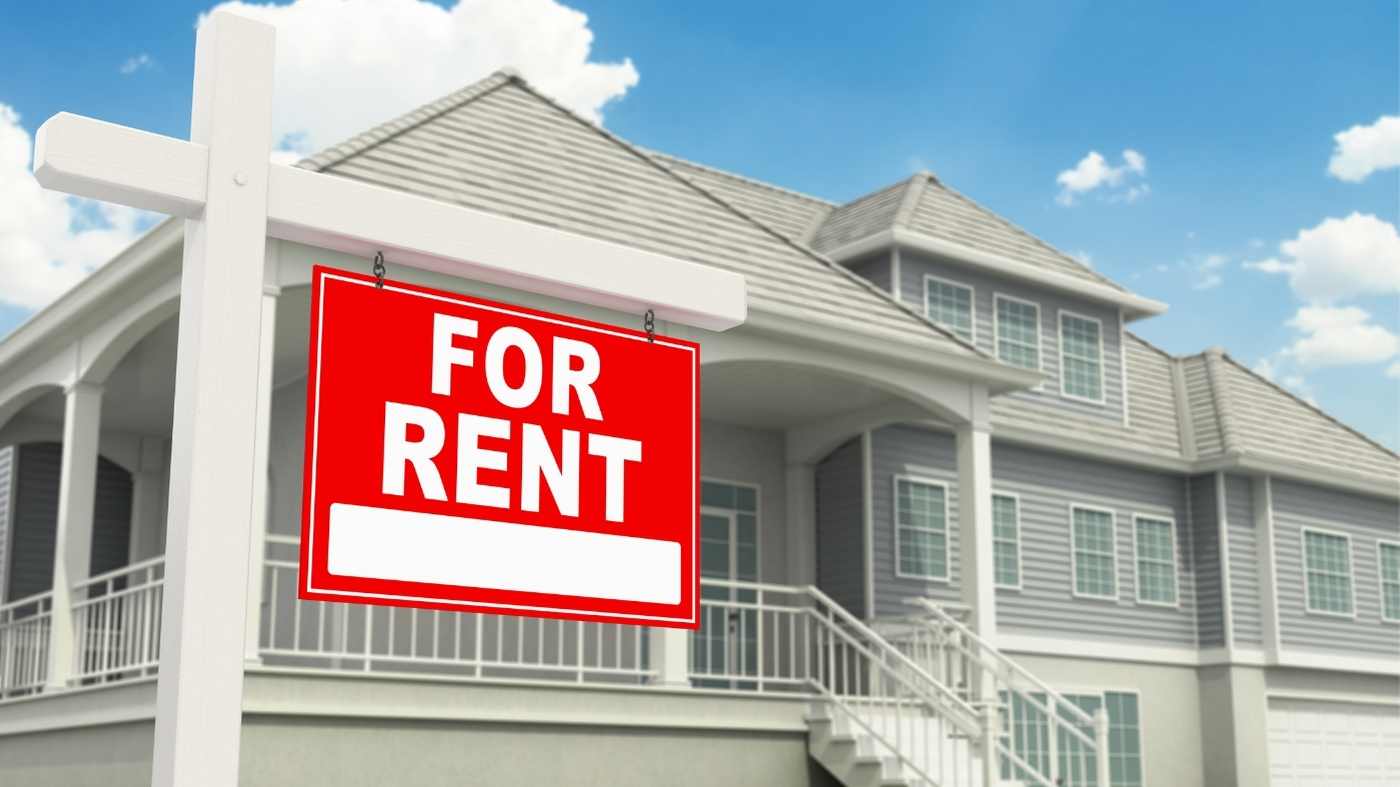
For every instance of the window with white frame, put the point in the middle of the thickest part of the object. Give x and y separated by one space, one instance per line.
1327 572
1388 555
1094 565
949 304
1081 357
921 528
1155 541
1018 332
1006 540
1025 731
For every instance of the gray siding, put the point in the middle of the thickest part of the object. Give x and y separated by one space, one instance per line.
752 456
1364 519
913 266
7 454
908 450
1048 484
1205 556
1244 561
876 269
840 528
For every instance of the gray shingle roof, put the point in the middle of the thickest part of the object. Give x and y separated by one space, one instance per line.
500 146
786 211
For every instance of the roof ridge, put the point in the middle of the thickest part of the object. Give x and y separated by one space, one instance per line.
914 188
394 127
1314 408
1014 227
736 176
817 257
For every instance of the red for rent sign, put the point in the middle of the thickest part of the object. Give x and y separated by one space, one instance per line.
476 456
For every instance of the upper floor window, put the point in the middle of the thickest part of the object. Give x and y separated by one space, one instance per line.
1006 540
1155 547
1388 554
1327 572
1018 332
950 305
1081 357
1092 556
921 528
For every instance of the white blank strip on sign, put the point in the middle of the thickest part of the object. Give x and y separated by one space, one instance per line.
407 546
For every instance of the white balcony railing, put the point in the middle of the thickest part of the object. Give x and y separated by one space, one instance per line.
24 644
116 622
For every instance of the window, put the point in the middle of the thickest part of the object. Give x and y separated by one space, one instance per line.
1018 332
1081 357
1025 730
949 305
1092 558
1006 540
1155 541
1388 555
921 528
1327 572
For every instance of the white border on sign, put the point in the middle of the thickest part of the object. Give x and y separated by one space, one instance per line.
315 442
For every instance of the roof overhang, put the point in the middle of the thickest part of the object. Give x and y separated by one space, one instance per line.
1134 306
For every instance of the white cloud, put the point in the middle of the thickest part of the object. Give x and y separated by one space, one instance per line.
1362 150
344 66
1339 336
1095 172
133 64
1340 258
1393 371
49 241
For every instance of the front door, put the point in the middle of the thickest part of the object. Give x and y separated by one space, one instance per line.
726 643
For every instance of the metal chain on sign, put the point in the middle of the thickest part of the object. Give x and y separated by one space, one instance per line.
379 270
649 325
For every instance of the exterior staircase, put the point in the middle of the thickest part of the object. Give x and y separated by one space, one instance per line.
925 702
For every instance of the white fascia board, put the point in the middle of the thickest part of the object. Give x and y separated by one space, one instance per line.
1309 474
100 160
1134 306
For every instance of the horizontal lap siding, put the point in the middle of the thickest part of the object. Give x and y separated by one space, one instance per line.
1365 519
7 454
875 270
37 470
755 457
1244 561
840 528
907 450
1048 484
1205 541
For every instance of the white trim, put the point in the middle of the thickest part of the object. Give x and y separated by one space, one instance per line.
1176 564
1096 649
1340 699
1227 596
1073 549
757 518
971 307
1020 573
867 461
978 258
1303 560
1380 575
896 289
1060 333
947 528
1267 556
1123 366
997 297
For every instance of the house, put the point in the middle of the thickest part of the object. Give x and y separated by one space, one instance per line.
959 523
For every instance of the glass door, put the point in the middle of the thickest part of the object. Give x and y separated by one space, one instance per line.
726 643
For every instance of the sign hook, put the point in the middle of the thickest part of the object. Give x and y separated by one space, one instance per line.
649 325
379 270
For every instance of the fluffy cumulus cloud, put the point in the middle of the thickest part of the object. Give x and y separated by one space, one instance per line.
346 65
1362 150
1119 183
1339 336
136 63
1339 259
49 241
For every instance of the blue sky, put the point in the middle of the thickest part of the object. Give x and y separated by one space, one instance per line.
1233 110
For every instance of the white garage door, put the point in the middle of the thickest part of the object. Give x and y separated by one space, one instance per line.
1333 744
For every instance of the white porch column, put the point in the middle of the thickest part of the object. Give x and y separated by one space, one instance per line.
262 430
72 549
670 656
800 498
975 527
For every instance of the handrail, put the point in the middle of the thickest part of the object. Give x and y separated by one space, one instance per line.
1002 661
35 598
140 565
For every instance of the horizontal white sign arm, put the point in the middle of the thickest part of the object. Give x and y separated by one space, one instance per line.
103 161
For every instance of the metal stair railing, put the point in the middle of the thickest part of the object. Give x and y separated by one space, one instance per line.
1044 737
913 718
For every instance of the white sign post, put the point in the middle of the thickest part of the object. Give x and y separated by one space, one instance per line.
221 183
